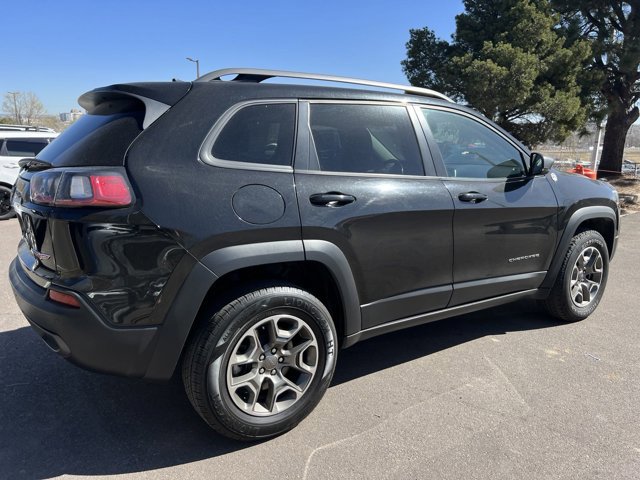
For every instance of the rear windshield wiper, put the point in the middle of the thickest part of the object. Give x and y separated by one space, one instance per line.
33 164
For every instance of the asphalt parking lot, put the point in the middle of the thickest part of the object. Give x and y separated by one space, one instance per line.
501 394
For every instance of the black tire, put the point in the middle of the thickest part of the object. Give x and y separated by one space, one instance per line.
207 366
560 303
6 210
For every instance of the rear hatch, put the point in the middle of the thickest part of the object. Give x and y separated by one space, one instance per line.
116 116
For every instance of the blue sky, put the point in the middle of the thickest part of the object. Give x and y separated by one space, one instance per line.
60 49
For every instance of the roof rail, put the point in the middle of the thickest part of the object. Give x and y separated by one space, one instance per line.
258 75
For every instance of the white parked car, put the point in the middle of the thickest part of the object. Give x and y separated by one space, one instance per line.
15 145
25 128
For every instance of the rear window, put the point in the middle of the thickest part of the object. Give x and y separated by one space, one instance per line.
24 147
94 140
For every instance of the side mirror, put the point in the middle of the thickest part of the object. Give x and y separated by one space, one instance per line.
539 164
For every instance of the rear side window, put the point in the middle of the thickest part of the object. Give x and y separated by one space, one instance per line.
24 147
262 134
365 139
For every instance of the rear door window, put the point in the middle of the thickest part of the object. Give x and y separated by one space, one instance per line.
360 138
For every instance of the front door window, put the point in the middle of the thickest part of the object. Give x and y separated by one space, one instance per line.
472 150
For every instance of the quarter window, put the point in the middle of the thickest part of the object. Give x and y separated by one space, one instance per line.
470 149
365 139
258 134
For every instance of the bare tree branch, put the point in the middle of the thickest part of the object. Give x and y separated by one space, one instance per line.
24 107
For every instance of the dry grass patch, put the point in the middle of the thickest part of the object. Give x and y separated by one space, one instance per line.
629 190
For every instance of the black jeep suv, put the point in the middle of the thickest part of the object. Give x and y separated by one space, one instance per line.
244 231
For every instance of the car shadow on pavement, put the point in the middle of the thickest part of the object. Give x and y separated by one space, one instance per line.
403 346
58 419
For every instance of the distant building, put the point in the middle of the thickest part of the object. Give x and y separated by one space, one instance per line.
71 116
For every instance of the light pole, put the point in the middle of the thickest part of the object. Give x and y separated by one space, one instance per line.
594 156
197 62
15 106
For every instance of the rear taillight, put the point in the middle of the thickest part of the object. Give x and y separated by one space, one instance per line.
43 186
80 188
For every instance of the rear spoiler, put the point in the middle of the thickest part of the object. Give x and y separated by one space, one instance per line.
155 98
33 164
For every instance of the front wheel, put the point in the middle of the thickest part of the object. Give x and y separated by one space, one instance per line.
582 278
258 366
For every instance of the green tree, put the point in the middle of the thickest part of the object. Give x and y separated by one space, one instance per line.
510 60
613 29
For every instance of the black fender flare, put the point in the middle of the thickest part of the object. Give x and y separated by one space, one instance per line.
579 216
186 303
331 256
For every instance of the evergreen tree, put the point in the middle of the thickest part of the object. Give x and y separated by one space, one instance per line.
512 61
613 29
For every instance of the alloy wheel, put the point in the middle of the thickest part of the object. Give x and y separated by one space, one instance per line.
586 277
272 365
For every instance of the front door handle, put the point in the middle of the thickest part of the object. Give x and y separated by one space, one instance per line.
331 199
472 197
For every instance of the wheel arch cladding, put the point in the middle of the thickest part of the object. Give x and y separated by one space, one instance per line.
603 219
220 276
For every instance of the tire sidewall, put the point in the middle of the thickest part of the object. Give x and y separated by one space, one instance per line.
592 240
229 331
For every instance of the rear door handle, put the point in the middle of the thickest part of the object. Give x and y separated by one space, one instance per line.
472 197
331 199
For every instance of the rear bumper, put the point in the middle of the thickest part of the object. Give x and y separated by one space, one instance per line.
79 334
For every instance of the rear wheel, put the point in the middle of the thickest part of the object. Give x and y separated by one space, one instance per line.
6 210
258 366
582 278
